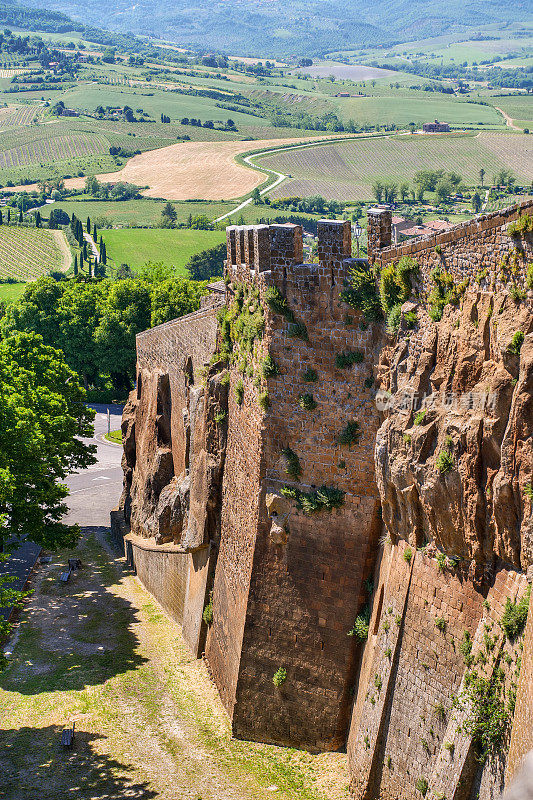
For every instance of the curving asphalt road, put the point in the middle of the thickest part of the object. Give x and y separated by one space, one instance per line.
96 490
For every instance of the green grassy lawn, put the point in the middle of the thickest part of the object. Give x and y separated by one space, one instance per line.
145 211
139 246
9 292
114 436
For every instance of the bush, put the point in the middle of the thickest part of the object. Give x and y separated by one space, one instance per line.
264 400
277 303
350 434
269 368
420 417
310 375
345 360
515 616
445 462
516 343
393 319
363 293
440 624
361 625
207 615
292 467
307 402
279 677
517 293
407 555
239 392
324 499
297 330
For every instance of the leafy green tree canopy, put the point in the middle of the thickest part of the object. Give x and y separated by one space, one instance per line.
42 416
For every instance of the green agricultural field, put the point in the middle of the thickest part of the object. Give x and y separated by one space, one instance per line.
135 213
139 246
519 108
27 253
347 170
9 292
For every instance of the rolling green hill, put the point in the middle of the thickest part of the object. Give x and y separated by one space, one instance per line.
269 28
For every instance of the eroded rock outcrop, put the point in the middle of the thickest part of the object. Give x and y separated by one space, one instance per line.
158 503
454 455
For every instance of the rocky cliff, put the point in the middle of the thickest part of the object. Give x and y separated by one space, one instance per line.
453 455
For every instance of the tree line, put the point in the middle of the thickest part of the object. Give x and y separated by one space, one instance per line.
95 323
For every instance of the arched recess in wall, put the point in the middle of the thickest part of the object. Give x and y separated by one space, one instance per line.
164 404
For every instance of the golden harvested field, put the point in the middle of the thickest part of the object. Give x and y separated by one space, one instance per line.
191 170
196 170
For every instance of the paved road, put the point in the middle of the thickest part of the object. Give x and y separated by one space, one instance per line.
96 490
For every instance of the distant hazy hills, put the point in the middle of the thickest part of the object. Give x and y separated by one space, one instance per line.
291 27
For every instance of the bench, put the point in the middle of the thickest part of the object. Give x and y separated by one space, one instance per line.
67 736
65 576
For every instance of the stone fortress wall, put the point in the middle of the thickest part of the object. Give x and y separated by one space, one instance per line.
205 468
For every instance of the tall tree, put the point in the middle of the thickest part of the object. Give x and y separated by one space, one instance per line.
43 415
481 176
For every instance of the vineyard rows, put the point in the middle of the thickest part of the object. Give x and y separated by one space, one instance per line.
27 253
15 116
347 170
60 148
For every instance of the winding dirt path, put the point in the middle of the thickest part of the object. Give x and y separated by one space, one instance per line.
508 120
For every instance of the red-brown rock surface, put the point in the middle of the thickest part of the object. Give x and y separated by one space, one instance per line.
478 399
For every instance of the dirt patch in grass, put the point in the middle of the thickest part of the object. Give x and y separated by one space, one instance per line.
149 723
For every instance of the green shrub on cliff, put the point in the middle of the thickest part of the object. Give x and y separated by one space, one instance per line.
515 615
445 462
516 343
361 625
279 677
362 293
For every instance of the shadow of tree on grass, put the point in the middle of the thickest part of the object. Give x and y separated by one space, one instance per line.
76 634
34 765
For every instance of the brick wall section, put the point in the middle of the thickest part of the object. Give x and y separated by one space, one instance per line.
167 349
522 734
163 570
239 522
468 249
304 596
396 736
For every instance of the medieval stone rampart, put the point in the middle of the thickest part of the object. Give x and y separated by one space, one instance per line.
240 425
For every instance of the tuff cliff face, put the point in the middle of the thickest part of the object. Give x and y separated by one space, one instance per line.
453 455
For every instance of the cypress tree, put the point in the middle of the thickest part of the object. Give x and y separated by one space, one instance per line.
20 216
89 264
95 232
88 224
81 261
75 265
8 216
37 219
1 218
